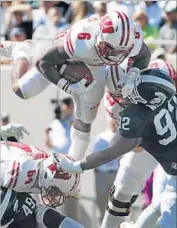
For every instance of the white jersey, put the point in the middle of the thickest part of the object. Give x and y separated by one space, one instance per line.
19 166
79 42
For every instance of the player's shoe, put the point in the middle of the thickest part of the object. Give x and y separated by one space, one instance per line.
127 225
6 49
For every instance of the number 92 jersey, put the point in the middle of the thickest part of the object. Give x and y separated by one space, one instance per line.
157 129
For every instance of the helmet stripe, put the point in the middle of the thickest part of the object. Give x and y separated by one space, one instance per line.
171 70
161 81
123 28
128 28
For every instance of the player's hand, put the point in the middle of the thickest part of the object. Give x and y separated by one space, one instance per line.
13 130
66 165
133 76
75 89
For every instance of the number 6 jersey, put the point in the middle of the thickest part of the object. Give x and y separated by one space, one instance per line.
158 130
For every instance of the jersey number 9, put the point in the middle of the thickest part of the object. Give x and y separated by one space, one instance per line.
165 127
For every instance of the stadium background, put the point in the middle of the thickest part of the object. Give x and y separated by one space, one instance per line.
36 114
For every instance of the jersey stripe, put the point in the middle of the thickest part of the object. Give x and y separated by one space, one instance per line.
111 114
21 146
171 70
17 174
12 174
69 43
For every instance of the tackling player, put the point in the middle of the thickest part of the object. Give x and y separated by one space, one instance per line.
131 178
150 121
76 63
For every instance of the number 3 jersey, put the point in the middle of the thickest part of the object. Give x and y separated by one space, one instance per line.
158 130
19 166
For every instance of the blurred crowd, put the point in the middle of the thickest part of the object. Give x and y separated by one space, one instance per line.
41 20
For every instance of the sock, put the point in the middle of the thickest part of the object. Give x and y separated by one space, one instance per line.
79 144
70 223
148 218
110 221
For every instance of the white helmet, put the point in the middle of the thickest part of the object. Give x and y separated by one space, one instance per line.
163 65
56 186
115 38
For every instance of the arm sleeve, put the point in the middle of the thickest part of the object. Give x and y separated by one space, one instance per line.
142 60
118 147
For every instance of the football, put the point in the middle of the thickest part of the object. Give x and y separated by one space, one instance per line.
74 71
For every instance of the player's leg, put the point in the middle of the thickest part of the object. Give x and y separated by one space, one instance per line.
86 108
149 217
80 131
135 169
26 80
168 204
49 218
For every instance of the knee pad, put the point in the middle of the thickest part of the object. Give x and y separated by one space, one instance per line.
117 207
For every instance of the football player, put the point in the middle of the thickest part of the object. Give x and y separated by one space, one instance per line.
76 63
150 120
131 177
19 210
26 169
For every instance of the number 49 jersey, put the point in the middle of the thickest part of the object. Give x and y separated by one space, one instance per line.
157 129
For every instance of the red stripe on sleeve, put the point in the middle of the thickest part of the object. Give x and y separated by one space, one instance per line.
17 174
12 174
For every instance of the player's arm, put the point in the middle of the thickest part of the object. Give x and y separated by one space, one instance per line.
119 146
57 67
142 60
128 138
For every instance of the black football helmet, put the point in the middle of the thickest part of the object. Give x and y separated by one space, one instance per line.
8 206
151 87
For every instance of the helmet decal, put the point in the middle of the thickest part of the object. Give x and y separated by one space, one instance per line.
106 25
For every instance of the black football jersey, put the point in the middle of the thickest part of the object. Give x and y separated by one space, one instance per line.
157 129
21 208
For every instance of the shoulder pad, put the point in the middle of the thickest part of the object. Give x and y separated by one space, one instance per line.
131 124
